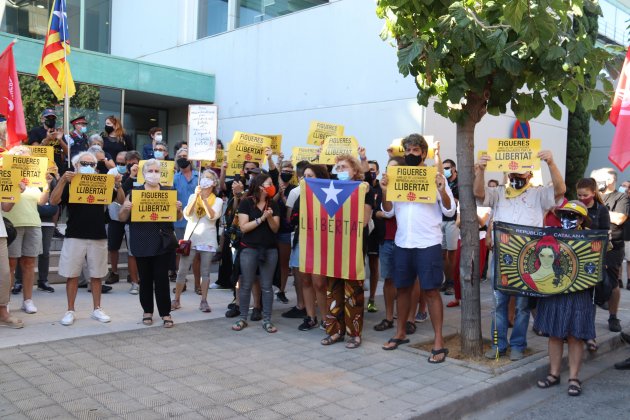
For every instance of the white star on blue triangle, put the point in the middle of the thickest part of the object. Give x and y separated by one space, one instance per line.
332 194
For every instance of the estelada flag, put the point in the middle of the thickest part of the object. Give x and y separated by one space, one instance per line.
331 228
619 153
54 68
11 99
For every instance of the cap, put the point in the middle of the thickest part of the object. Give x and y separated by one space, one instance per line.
49 112
79 120
574 206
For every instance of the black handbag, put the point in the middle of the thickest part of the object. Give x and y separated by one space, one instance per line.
169 240
604 288
11 231
47 211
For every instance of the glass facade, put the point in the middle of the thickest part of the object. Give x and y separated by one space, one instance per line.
88 21
614 23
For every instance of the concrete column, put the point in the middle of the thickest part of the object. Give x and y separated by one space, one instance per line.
234 8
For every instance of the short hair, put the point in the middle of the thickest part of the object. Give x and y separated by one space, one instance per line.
598 173
95 149
286 164
493 180
300 166
354 163
154 130
415 139
249 161
320 171
133 154
451 162
373 162
213 174
95 137
123 153
150 162
163 144
180 151
80 156
179 145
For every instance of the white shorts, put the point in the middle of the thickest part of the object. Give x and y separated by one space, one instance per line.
74 253
450 235
626 248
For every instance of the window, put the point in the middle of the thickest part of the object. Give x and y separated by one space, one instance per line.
212 17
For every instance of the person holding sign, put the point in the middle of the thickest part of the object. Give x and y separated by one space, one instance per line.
521 203
86 238
418 248
152 241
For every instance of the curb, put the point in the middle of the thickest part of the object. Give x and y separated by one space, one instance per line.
467 401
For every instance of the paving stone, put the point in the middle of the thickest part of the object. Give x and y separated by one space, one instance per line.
288 408
33 403
48 412
173 409
23 393
142 415
218 413
14 383
243 405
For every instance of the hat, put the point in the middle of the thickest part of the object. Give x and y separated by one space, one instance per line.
49 112
576 207
79 120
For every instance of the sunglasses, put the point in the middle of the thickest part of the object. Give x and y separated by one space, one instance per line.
92 164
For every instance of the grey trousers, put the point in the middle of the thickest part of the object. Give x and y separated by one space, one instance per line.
249 263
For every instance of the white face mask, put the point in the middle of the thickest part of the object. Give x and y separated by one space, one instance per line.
206 183
158 137
152 178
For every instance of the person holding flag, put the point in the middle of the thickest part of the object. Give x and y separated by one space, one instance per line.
12 107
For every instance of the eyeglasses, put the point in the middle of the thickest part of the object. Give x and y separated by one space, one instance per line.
159 150
92 164
447 168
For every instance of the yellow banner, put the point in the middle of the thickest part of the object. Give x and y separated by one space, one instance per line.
167 172
214 163
335 146
318 132
411 184
28 169
304 153
513 155
44 151
235 165
153 206
276 142
248 147
396 148
9 190
91 189
481 153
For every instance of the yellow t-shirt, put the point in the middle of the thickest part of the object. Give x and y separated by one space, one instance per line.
24 213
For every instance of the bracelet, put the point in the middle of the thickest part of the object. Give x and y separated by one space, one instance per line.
257 222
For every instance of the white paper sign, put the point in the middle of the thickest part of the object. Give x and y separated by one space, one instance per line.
202 132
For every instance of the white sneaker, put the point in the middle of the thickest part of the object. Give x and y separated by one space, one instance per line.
68 318
100 316
29 307
134 290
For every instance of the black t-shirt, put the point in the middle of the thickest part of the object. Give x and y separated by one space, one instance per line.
455 190
600 218
379 224
113 146
38 135
619 203
85 221
285 226
262 236
145 237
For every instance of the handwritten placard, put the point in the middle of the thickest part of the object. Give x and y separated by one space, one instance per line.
202 132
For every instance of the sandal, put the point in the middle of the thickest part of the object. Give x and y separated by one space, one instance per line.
575 390
269 327
410 327
198 290
452 304
546 383
175 305
591 346
168 323
12 322
434 353
396 342
239 325
331 339
353 342
147 319
384 325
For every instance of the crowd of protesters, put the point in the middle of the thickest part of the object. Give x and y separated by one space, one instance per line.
248 226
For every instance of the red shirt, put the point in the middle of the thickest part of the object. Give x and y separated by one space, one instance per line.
390 229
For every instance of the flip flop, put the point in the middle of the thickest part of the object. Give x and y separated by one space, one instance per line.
436 353
396 342
12 323
147 319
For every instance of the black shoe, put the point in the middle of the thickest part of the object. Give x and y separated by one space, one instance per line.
282 297
625 365
104 289
129 279
172 276
256 315
17 289
628 285
233 312
57 234
44 287
295 312
449 291
112 278
308 324
625 337
613 324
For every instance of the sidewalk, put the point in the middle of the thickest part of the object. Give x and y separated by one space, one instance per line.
201 369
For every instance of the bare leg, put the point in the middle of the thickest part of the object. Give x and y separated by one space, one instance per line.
576 352
403 306
113 259
389 293
373 262
12 266
555 355
417 300
28 276
96 292
320 284
613 302
436 310
309 295
72 287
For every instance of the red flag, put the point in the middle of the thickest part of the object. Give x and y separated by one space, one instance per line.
11 99
620 116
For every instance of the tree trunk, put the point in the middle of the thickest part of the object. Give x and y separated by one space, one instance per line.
471 342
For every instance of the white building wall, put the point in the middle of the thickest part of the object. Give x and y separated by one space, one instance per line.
325 63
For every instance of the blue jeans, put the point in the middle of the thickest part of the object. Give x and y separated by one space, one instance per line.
518 339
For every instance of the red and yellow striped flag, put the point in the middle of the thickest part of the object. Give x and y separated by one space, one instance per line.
331 228
54 68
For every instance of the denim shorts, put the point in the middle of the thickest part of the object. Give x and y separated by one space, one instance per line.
294 260
386 258
424 263
284 238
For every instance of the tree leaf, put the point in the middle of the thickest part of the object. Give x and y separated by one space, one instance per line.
513 13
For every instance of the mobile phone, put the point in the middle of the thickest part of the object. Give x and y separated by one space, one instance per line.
237 178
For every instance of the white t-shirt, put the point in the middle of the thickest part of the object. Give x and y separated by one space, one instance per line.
528 209
294 194
202 232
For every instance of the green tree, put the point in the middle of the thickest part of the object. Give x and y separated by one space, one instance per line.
479 56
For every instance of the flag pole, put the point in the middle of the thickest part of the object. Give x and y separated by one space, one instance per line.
66 99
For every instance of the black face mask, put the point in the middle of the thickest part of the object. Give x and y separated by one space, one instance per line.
101 168
109 129
518 183
50 122
413 160
371 177
569 222
286 176
183 163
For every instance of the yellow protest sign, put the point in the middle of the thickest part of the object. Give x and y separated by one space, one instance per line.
248 147
396 148
91 189
235 165
153 206
318 132
411 184
304 153
276 142
513 155
9 190
44 151
481 153
335 146
220 155
27 169
167 172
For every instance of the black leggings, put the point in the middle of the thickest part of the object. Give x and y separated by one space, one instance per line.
153 272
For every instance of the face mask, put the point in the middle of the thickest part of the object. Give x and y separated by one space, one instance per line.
50 122
413 160
88 170
158 154
622 190
183 163
83 130
206 183
152 178
448 173
286 177
568 223
601 185
158 137
518 183
109 129
101 167
122 169
371 176
587 200
270 190
343 176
